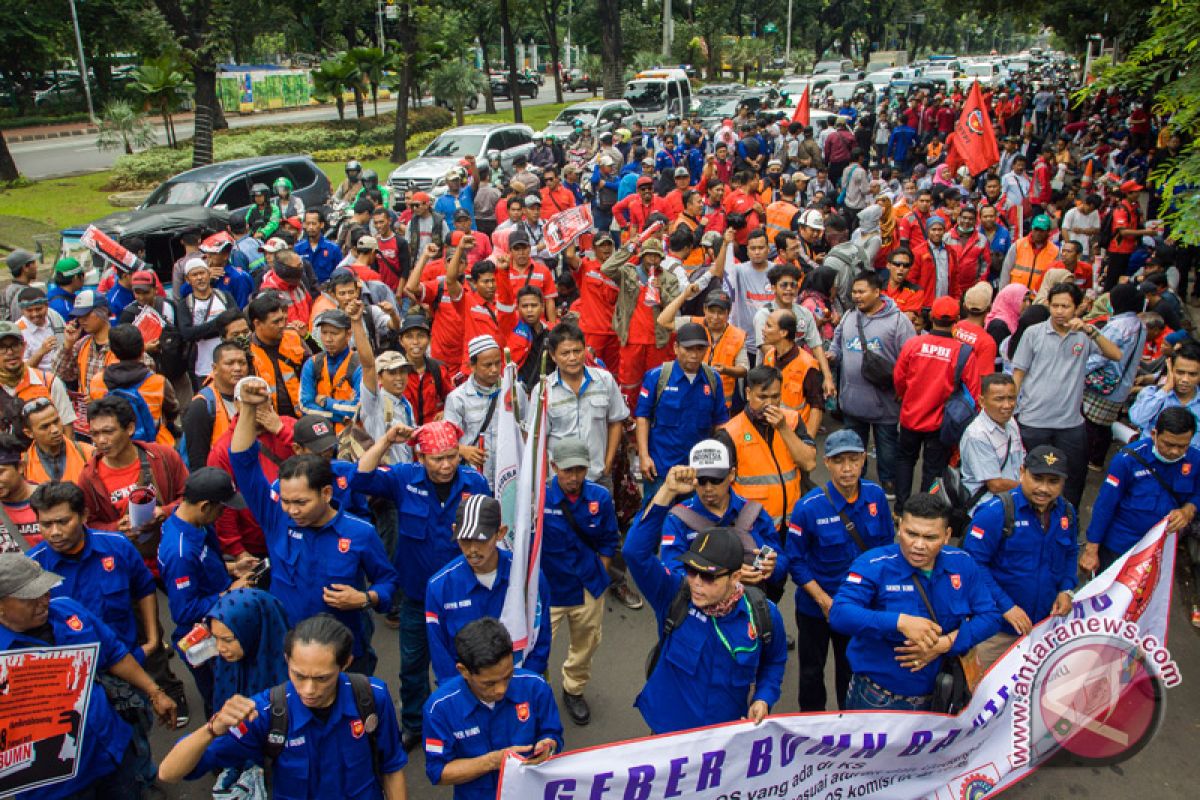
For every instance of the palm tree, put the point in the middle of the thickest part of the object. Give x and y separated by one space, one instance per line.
331 80
162 83
370 63
122 125
457 83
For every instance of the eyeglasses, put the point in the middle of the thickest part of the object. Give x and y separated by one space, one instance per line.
788 285
705 577
12 343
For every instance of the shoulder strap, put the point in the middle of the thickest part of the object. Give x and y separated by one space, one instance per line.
11 529
850 527
491 412
364 701
145 476
747 516
760 613
434 368
277 733
964 353
691 518
1129 451
565 508
1010 513
925 598
676 614
664 377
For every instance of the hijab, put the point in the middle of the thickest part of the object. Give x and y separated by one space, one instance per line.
869 220
1052 278
821 282
257 620
887 222
1006 307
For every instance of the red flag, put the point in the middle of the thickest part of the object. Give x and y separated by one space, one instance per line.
801 113
974 139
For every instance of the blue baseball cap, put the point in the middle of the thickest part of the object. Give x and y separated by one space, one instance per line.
843 441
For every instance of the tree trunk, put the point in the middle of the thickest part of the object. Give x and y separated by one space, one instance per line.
341 107
406 34
167 125
358 102
608 14
489 102
375 97
205 79
8 167
510 54
458 114
550 11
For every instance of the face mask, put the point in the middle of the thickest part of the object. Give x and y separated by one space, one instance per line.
242 340
1166 460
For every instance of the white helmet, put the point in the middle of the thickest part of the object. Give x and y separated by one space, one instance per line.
813 219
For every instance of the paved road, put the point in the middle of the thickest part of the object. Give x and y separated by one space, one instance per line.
75 154
1165 770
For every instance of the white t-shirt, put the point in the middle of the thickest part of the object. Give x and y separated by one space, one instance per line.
202 312
750 291
1076 219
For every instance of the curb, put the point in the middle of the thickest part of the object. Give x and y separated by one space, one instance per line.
35 137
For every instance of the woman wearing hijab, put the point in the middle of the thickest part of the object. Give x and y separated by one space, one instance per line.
1007 306
1108 384
1052 278
1029 317
867 235
888 239
817 296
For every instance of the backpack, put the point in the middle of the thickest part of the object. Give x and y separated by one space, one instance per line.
1010 514
319 367
1105 237
146 428
664 377
960 407
364 701
760 613
742 525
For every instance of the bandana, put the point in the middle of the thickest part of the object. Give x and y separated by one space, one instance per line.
436 437
724 607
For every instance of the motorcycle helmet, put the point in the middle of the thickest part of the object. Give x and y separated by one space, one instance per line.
283 182
370 178
353 169
260 188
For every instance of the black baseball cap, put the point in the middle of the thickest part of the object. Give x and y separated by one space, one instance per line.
477 518
1046 460
213 485
315 433
518 238
413 322
691 335
720 298
716 551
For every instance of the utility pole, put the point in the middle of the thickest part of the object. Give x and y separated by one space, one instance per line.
83 68
787 48
666 46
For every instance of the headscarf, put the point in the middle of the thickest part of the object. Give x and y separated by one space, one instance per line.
868 220
887 222
941 175
1052 278
821 282
257 620
1006 306
436 437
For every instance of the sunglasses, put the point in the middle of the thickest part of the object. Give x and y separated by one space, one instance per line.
35 405
901 263
707 481
705 577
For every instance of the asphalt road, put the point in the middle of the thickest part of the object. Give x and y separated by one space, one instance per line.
1164 770
53 158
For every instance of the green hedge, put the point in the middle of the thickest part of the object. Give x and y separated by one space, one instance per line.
325 141
34 120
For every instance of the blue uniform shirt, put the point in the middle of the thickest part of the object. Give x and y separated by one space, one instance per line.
448 204
458 725
455 597
344 497
1032 566
324 256
687 412
320 760
677 537
60 300
879 588
570 565
1132 501
190 563
707 667
106 736
118 297
818 546
304 561
426 542
107 577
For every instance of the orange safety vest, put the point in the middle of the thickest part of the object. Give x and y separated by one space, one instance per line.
85 352
78 454
766 474
696 256
1029 265
291 358
337 386
34 383
153 390
793 380
723 353
221 419
779 218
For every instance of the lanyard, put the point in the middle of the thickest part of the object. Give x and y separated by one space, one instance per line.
733 651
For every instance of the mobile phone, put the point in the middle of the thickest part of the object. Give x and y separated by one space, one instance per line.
763 554
259 572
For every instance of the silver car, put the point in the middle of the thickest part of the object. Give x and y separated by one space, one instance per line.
427 172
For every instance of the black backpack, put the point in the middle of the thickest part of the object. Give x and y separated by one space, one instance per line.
760 612
364 701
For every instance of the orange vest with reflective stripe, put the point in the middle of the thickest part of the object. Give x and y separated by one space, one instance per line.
153 390
291 349
779 218
85 352
34 383
765 473
724 353
1029 265
78 455
337 386
793 380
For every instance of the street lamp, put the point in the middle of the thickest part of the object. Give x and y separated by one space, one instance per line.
83 69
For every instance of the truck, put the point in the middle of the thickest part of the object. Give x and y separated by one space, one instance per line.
886 59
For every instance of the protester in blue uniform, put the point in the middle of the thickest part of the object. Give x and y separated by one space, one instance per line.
489 710
427 495
474 585
896 647
330 748
1152 478
1027 544
322 254
718 663
29 619
830 527
322 559
579 539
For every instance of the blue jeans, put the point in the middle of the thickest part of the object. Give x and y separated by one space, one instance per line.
887 436
414 663
866 695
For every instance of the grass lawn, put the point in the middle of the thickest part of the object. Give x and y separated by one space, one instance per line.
48 206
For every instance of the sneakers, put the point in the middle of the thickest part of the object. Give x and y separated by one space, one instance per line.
182 719
627 595
577 708
889 491
1196 616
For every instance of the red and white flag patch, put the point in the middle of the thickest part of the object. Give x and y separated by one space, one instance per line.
854 577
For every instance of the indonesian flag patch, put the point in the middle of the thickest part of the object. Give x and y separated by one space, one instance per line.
854 577
431 616
433 746
977 531
183 582
1113 481
668 539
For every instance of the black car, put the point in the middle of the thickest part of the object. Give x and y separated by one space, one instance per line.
526 86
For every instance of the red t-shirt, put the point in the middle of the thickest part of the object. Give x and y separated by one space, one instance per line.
446 338
365 273
120 483
597 298
25 518
387 258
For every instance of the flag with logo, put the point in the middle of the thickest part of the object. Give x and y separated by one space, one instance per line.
509 446
974 139
521 614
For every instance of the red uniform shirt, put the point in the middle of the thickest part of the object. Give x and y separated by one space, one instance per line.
597 298
924 377
981 342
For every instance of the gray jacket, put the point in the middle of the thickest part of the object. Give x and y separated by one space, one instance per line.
887 330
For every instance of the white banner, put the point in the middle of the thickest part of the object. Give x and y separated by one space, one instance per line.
509 448
1091 682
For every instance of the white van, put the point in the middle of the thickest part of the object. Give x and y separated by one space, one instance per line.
658 93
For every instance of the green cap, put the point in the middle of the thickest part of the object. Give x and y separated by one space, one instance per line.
9 330
1041 222
69 267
